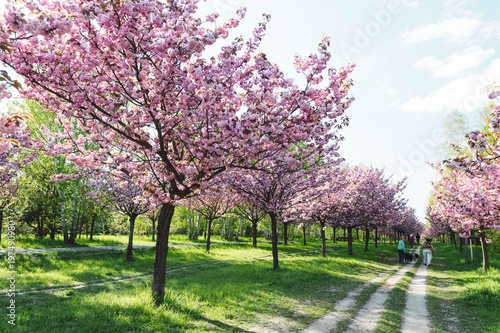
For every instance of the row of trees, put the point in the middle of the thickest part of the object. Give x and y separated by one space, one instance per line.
135 97
465 198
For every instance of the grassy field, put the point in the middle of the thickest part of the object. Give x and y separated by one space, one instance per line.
232 289
29 242
461 297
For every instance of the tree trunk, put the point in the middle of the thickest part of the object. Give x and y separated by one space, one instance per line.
209 231
484 245
304 232
53 231
376 236
285 233
274 240
161 251
254 233
349 241
92 225
130 255
334 234
72 235
461 245
367 238
1 223
466 251
323 241
453 239
63 220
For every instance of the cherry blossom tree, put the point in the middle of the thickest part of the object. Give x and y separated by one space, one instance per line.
273 190
469 204
253 213
212 202
322 203
369 200
133 76
124 197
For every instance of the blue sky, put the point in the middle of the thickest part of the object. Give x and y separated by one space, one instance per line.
416 62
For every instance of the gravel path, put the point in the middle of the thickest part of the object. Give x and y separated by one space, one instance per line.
330 321
415 316
367 318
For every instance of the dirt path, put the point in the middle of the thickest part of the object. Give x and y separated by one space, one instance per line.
330 321
415 316
367 318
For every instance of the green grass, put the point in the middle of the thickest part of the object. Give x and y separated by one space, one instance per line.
234 289
240 293
30 242
461 297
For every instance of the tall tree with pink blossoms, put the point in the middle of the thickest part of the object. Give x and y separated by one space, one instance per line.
213 201
469 204
322 203
274 190
124 197
133 75
369 200
253 213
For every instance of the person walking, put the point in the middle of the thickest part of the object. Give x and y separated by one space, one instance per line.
417 237
411 240
428 251
401 250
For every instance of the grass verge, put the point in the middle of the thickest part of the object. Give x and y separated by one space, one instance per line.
461 297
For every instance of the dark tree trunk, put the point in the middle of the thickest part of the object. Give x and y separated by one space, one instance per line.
274 240
367 238
1 223
304 232
376 236
130 255
334 234
466 251
323 241
349 241
484 245
254 233
285 233
161 251
357 234
92 225
209 232
461 244
53 231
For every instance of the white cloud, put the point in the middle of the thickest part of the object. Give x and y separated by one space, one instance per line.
456 63
466 93
455 29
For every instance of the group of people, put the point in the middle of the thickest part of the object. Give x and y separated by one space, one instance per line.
427 253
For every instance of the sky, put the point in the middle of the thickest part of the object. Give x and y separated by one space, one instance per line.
416 61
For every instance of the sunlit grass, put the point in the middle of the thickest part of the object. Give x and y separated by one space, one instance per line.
239 292
461 296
